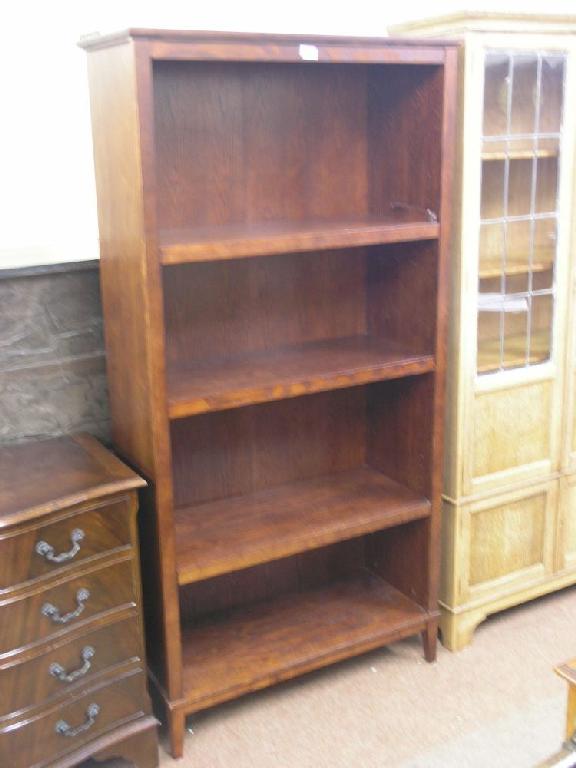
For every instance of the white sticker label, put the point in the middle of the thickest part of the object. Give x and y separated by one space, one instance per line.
308 52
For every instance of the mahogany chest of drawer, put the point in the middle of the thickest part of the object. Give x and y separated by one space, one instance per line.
72 666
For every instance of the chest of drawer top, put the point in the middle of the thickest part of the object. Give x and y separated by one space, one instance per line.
51 476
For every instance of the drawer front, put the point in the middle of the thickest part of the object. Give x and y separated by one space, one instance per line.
43 550
62 729
68 664
52 610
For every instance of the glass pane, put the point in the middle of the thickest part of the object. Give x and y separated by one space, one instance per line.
541 329
520 187
496 82
492 203
515 333
524 93
548 147
523 103
546 185
518 240
551 94
488 342
491 250
544 243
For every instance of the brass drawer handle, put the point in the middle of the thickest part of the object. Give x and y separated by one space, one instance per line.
53 613
64 729
57 670
47 551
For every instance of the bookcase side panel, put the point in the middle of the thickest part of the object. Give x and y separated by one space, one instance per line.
132 301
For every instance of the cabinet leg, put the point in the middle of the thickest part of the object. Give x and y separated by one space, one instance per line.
457 629
430 641
176 728
141 750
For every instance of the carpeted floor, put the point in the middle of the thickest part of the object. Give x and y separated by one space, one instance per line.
497 704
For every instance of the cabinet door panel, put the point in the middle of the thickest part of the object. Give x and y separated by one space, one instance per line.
513 434
509 541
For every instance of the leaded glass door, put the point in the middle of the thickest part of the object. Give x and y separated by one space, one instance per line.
521 146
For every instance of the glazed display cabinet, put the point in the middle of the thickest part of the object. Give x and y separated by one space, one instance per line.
271 211
509 511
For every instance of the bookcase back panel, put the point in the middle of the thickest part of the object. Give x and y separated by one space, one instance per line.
302 572
221 310
248 449
386 426
241 142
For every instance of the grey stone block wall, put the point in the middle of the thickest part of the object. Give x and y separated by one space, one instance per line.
52 361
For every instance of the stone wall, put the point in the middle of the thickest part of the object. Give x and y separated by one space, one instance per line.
52 362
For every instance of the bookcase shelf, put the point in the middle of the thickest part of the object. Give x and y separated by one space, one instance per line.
178 246
274 238
289 372
251 648
238 532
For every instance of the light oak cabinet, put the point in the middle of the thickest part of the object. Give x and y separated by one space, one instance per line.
509 520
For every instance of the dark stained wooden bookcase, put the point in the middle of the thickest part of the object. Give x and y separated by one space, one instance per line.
274 219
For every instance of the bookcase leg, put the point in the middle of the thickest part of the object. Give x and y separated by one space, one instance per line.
430 641
176 727
457 629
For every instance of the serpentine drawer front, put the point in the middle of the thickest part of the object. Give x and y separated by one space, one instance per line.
71 663
72 660
65 541
62 728
44 613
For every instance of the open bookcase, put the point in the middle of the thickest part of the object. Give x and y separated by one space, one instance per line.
272 215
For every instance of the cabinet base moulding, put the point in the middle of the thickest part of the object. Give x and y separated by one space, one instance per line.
457 626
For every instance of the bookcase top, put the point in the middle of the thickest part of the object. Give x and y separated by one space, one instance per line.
97 40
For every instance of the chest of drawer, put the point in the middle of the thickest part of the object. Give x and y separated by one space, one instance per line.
40 550
50 611
60 728
67 664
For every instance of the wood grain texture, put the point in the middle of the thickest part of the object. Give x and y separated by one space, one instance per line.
28 742
121 108
514 548
309 570
195 44
178 246
270 642
137 745
110 586
88 475
258 143
49 667
236 533
105 525
218 312
299 370
27 682
247 450
314 171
